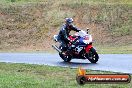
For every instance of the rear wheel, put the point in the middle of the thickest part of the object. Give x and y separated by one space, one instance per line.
65 57
92 56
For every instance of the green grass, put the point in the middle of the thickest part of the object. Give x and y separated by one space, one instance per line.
41 76
114 50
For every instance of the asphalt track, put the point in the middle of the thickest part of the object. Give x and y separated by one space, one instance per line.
107 62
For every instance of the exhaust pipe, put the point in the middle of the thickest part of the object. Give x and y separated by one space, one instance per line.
56 48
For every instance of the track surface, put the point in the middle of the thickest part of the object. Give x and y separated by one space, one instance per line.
107 62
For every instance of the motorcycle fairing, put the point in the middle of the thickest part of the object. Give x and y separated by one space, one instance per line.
88 47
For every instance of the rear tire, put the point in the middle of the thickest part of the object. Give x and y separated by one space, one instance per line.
92 56
66 58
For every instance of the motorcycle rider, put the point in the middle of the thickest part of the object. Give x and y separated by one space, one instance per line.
64 32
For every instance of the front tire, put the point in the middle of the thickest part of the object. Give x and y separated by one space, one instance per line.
66 58
92 56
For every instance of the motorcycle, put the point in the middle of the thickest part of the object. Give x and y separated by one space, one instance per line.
81 48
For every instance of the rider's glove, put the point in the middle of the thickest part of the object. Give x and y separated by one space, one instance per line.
69 40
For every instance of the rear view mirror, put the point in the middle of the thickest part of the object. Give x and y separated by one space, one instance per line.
87 30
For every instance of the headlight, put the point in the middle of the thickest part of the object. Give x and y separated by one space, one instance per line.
86 41
56 38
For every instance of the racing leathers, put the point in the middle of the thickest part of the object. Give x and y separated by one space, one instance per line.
64 34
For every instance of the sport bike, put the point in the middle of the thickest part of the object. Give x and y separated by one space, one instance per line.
80 47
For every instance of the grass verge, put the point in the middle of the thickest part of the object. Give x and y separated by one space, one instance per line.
114 50
41 76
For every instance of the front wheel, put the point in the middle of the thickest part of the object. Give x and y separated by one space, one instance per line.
92 56
66 58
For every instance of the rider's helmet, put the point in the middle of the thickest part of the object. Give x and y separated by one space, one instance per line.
69 21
